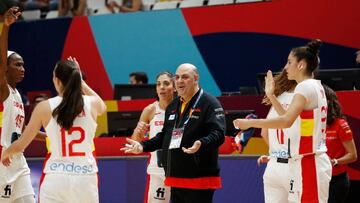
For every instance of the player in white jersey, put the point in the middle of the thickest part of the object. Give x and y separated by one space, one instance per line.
310 167
279 94
70 122
152 120
15 183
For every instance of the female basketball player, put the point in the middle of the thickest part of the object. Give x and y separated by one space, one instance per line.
15 183
279 93
152 118
69 119
309 165
341 148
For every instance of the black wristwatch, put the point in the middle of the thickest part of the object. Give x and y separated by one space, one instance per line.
335 162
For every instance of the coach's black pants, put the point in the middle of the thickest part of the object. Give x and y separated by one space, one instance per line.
183 195
339 188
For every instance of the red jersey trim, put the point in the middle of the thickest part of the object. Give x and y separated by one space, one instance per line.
194 183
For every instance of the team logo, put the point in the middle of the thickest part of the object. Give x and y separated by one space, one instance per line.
71 168
194 117
291 186
7 192
220 115
171 117
160 193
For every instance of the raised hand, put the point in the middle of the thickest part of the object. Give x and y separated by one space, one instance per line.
73 59
133 147
11 15
196 146
269 84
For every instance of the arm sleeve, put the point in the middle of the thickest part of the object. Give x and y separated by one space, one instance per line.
215 122
154 143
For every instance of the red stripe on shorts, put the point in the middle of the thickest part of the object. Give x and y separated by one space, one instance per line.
309 180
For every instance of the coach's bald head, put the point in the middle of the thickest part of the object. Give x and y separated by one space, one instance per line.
186 80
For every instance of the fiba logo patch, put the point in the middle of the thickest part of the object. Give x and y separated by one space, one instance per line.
294 193
7 192
160 193
291 186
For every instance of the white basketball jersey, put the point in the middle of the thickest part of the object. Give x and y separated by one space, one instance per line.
12 118
278 138
156 125
309 136
72 150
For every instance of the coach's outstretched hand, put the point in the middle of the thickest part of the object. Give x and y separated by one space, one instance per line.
191 150
133 147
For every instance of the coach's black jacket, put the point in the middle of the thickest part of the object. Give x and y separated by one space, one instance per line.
207 124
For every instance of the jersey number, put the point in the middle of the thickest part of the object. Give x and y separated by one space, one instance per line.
280 136
65 134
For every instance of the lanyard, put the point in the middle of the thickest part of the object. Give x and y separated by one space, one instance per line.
192 108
